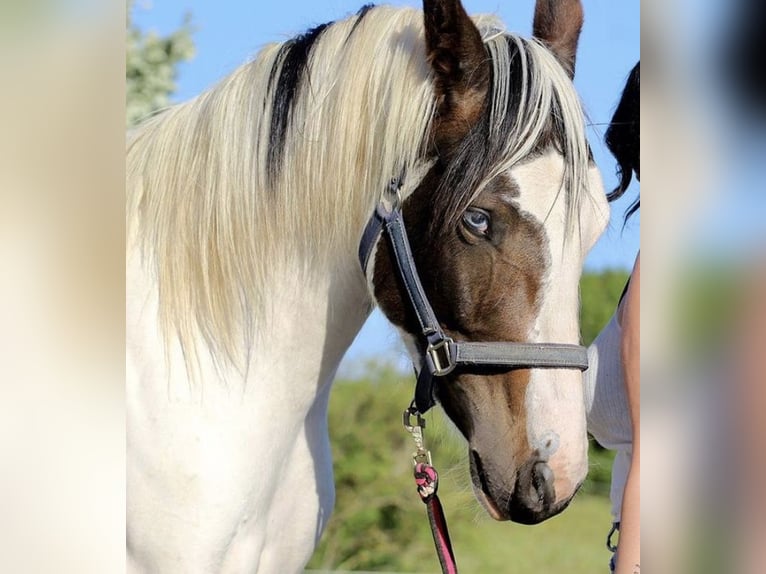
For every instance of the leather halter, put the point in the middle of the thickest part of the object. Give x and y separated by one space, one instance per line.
442 354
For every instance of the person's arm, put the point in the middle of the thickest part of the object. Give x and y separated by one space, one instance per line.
629 552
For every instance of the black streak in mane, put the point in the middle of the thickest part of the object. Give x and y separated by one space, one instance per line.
293 57
479 150
555 133
360 16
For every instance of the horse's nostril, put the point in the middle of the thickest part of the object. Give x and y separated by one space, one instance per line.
534 494
542 482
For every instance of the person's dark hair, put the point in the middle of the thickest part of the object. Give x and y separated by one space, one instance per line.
623 138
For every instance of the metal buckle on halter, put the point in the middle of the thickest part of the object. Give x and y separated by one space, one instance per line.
439 357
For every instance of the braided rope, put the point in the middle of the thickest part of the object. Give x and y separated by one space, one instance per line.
427 481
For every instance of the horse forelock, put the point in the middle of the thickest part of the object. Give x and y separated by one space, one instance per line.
531 106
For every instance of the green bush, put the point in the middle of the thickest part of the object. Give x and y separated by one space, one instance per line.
151 63
599 295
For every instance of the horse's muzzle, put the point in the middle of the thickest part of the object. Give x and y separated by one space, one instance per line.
531 500
534 495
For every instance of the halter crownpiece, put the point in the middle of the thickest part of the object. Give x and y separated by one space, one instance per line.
442 354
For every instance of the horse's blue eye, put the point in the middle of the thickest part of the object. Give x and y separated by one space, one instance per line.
477 221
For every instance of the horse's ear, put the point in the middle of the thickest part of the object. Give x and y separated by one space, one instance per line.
460 66
558 23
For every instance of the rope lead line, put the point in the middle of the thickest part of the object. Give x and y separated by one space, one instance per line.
438 523
427 482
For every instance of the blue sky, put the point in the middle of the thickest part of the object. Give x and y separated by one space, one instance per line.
229 32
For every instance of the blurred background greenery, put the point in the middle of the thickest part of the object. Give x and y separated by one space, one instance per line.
151 66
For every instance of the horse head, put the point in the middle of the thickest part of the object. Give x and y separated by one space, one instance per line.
499 227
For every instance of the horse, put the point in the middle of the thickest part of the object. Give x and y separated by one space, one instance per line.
246 207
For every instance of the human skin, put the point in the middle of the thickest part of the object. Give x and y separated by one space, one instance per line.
629 554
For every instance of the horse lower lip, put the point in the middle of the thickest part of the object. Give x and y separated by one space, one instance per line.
490 506
482 488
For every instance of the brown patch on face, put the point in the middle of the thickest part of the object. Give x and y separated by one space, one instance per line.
484 282
481 287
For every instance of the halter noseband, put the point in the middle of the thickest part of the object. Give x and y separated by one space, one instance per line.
442 354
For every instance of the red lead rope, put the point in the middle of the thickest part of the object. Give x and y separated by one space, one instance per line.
427 481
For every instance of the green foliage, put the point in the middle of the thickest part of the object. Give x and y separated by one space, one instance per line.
599 295
377 512
599 470
379 522
151 67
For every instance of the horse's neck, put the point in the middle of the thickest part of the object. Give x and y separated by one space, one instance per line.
308 328
300 335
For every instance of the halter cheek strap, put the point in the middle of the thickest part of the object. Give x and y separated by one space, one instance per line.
442 354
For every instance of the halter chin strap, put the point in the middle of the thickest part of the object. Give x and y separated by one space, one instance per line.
442 354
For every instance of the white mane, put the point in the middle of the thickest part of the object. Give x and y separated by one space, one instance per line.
211 219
